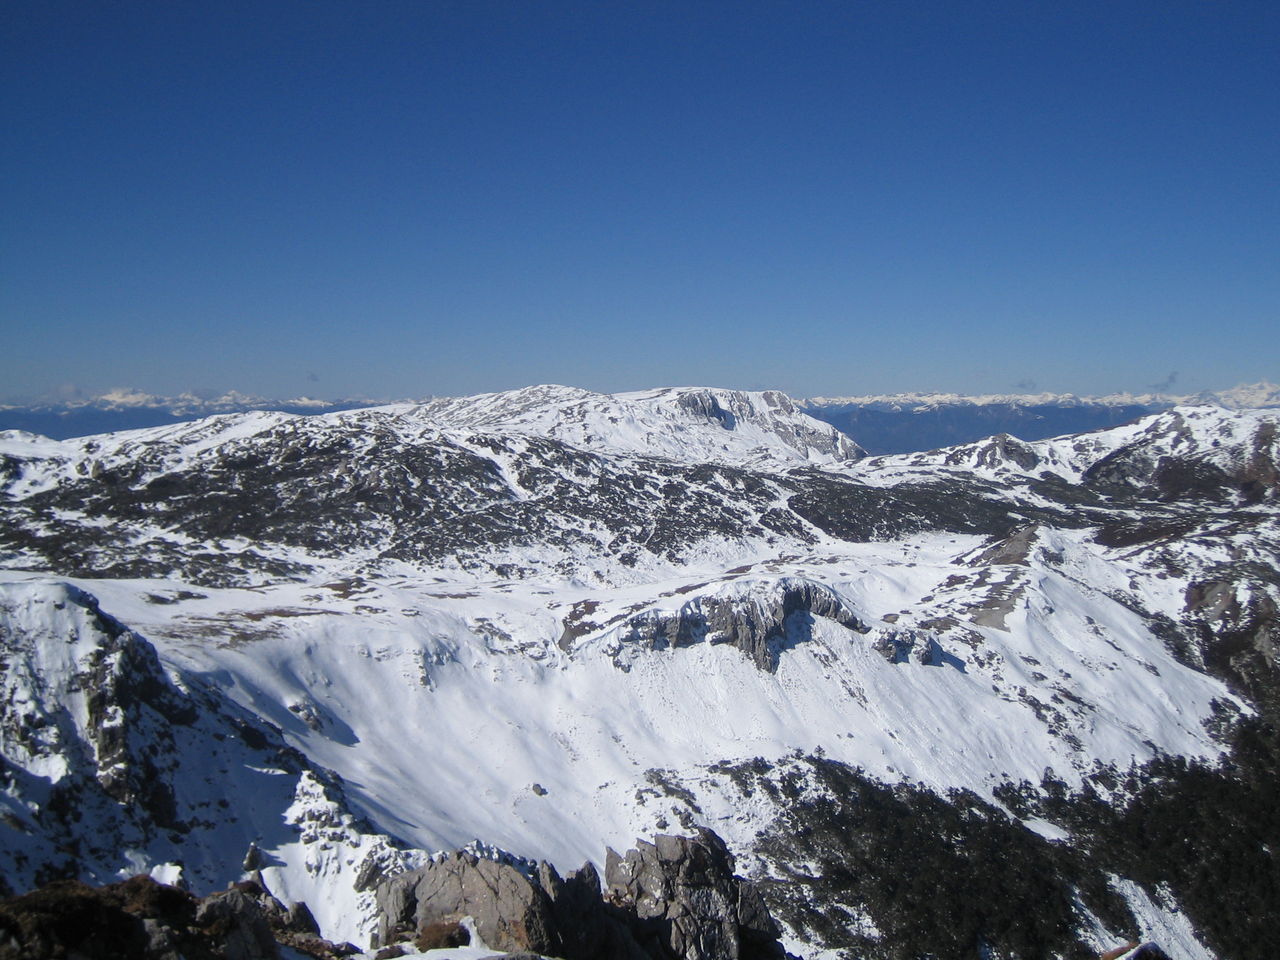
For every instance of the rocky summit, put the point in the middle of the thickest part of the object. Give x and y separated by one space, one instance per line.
424 667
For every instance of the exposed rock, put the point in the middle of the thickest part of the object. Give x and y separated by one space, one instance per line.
674 898
687 901
760 624
236 917
902 646
1170 461
996 452
300 920
1015 548
510 909
442 935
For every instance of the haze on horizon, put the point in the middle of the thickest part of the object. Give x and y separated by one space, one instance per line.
404 199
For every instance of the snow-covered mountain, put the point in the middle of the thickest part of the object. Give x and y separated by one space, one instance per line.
691 424
557 621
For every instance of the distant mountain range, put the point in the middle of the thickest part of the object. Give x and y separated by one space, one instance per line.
129 409
879 423
912 422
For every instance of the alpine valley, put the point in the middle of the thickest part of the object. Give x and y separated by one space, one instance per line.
1006 699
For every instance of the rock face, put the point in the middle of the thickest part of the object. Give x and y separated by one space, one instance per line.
687 903
1195 454
510 908
674 899
759 622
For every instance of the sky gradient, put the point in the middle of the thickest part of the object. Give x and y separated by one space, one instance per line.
403 199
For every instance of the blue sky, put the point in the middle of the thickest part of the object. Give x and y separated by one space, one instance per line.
401 199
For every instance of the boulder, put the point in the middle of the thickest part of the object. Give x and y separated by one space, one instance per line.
237 919
687 902
511 910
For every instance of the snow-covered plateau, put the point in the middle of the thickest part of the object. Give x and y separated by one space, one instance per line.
328 648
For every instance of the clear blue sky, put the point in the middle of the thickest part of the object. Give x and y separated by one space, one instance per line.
400 199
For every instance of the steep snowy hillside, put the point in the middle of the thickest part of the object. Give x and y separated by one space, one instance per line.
555 621
112 767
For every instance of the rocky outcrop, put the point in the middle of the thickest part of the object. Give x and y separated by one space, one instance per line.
687 903
761 621
674 899
1015 548
510 908
905 646
994 453
145 920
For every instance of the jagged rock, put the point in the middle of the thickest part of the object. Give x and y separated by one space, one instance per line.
241 923
588 927
253 859
903 646
687 900
300 920
160 941
995 452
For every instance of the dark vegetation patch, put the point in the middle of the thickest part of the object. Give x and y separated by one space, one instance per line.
1131 533
442 934
939 876
953 876
1210 835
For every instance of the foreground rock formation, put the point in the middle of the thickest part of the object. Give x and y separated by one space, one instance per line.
145 920
675 898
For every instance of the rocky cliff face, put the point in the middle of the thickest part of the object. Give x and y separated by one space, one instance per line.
686 900
760 619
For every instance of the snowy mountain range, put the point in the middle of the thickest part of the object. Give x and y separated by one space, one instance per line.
952 702
909 422
882 424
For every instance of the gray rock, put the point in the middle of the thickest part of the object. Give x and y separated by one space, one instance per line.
511 910
688 903
300 920
760 626
160 945
674 899
248 935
